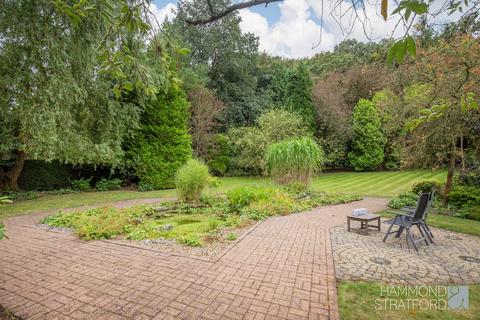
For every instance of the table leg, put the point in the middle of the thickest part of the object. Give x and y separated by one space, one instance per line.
348 224
379 225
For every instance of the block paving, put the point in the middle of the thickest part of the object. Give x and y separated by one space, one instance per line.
453 258
283 268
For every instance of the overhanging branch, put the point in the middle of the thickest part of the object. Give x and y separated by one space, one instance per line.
228 10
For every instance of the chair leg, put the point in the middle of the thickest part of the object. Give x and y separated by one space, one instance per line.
429 231
426 232
388 232
399 232
410 237
423 234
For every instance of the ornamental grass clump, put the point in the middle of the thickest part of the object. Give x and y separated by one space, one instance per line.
191 179
294 160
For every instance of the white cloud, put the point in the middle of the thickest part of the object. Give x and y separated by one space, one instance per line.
164 13
297 31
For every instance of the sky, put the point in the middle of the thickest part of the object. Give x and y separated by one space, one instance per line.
294 28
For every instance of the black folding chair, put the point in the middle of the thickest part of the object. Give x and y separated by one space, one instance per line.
411 211
405 221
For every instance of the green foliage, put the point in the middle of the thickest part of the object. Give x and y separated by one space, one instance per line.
299 96
294 160
99 223
20 195
191 240
108 185
368 140
162 144
5 199
219 155
406 199
425 186
82 184
71 115
464 197
2 231
249 144
239 198
191 179
468 178
231 236
39 175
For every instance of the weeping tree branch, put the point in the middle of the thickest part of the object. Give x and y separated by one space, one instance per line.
219 15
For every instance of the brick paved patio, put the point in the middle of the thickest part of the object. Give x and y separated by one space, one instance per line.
282 269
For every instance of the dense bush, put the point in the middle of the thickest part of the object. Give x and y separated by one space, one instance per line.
219 155
249 144
191 179
294 160
472 213
406 199
107 185
82 184
368 140
425 186
162 144
464 196
241 197
468 178
40 175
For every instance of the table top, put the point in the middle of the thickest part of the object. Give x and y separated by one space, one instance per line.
368 216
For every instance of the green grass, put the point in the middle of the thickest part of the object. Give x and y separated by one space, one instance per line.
448 222
380 184
357 301
383 184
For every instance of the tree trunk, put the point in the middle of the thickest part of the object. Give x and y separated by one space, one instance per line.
449 184
15 171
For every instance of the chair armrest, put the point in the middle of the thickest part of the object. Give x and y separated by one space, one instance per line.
399 213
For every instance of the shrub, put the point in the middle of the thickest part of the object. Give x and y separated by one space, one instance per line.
406 199
425 186
162 144
38 175
231 236
368 140
107 185
468 178
20 195
191 240
219 155
191 179
249 144
472 213
464 196
242 197
82 184
294 160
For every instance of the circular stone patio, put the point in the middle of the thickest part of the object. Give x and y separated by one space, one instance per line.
452 258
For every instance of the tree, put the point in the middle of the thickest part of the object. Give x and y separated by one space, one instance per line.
368 140
405 12
228 55
393 117
299 96
54 104
162 144
449 74
205 110
335 97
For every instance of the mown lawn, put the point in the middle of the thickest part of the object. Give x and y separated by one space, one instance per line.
357 301
449 223
382 184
